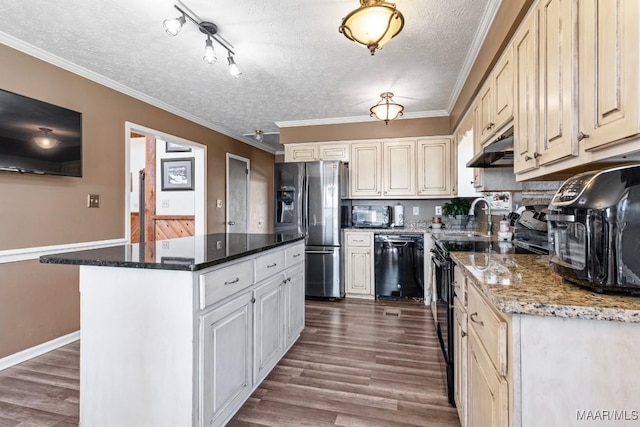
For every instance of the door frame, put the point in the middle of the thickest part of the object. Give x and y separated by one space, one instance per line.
200 175
226 215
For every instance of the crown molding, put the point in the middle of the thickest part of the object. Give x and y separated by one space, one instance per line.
358 119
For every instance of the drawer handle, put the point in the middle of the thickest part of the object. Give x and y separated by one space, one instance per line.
297 255
233 281
358 240
472 316
272 265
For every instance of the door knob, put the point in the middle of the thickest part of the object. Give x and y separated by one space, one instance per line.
231 223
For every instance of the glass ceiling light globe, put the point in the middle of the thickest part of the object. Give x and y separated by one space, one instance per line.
233 68
386 109
45 139
259 135
173 26
373 24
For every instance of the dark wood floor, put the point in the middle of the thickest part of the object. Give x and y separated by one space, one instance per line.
357 363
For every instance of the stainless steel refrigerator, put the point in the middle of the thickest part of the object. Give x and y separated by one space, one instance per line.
308 200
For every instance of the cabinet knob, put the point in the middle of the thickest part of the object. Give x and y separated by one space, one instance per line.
535 156
463 333
473 316
582 135
472 182
253 300
231 223
489 126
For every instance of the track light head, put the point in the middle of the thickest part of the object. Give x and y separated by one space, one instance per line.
233 67
209 53
173 26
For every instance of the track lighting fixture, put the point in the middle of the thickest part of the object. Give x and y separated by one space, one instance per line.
386 109
173 26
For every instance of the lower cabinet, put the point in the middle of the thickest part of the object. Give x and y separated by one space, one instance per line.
488 403
359 275
294 290
460 359
269 327
226 354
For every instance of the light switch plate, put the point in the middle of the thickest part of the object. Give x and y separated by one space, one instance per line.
93 201
218 203
165 203
219 244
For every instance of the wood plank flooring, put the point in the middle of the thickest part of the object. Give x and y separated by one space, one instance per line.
357 364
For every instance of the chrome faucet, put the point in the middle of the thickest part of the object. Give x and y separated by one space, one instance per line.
488 209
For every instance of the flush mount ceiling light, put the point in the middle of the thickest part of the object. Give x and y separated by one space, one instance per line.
259 135
373 24
386 109
45 139
173 27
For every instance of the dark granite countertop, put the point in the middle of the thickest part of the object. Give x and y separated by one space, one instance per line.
186 253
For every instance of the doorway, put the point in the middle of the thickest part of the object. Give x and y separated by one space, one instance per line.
238 178
165 209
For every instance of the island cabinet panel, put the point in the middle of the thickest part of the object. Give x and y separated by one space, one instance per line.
219 284
226 336
269 324
294 290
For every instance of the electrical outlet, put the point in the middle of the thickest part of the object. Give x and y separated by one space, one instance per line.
416 210
166 245
438 210
93 201
218 203
165 203
219 244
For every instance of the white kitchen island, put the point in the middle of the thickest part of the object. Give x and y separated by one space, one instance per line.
181 332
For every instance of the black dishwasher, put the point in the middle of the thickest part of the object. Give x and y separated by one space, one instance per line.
399 266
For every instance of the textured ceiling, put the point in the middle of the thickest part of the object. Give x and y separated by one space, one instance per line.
296 66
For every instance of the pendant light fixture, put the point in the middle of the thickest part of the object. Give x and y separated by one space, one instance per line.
258 135
173 26
45 139
373 24
386 109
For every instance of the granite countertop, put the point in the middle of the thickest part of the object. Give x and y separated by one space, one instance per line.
524 284
186 253
392 230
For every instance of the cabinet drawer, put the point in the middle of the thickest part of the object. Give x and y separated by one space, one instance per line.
460 313
490 328
269 264
294 255
359 239
219 284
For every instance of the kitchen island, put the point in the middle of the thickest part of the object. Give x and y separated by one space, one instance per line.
534 350
180 332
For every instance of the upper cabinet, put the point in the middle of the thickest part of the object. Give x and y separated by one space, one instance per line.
557 78
609 72
399 174
309 152
365 169
435 167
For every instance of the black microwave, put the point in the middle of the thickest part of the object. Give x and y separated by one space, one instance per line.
594 230
371 216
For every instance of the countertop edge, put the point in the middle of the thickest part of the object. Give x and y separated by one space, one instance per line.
69 260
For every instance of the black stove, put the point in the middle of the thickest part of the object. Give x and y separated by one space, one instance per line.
515 247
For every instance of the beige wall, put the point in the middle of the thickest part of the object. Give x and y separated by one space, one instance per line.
367 130
40 302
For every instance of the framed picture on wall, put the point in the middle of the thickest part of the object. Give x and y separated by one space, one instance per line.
177 174
172 147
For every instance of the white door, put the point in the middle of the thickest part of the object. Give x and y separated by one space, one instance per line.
238 169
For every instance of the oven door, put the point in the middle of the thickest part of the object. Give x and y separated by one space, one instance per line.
443 271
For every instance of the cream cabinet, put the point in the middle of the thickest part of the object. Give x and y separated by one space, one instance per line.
365 169
525 59
494 109
558 69
301 152
359 266
334 152
609 72
460 339
484 115
399 168
435 167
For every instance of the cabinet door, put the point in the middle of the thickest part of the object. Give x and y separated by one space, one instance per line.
269 327
465 174
226 337
525 54
365 170
503 90
359 271
487 124
460 359
488 400
435 167
558 75
300 152
399 159
609 38
334 152
294 302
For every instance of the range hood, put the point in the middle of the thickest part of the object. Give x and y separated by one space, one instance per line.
497 154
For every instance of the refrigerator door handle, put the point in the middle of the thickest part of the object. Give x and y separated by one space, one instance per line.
306 205
319 252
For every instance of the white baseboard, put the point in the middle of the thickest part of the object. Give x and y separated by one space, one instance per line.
30 353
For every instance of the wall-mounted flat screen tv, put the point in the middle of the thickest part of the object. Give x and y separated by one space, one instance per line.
38 137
